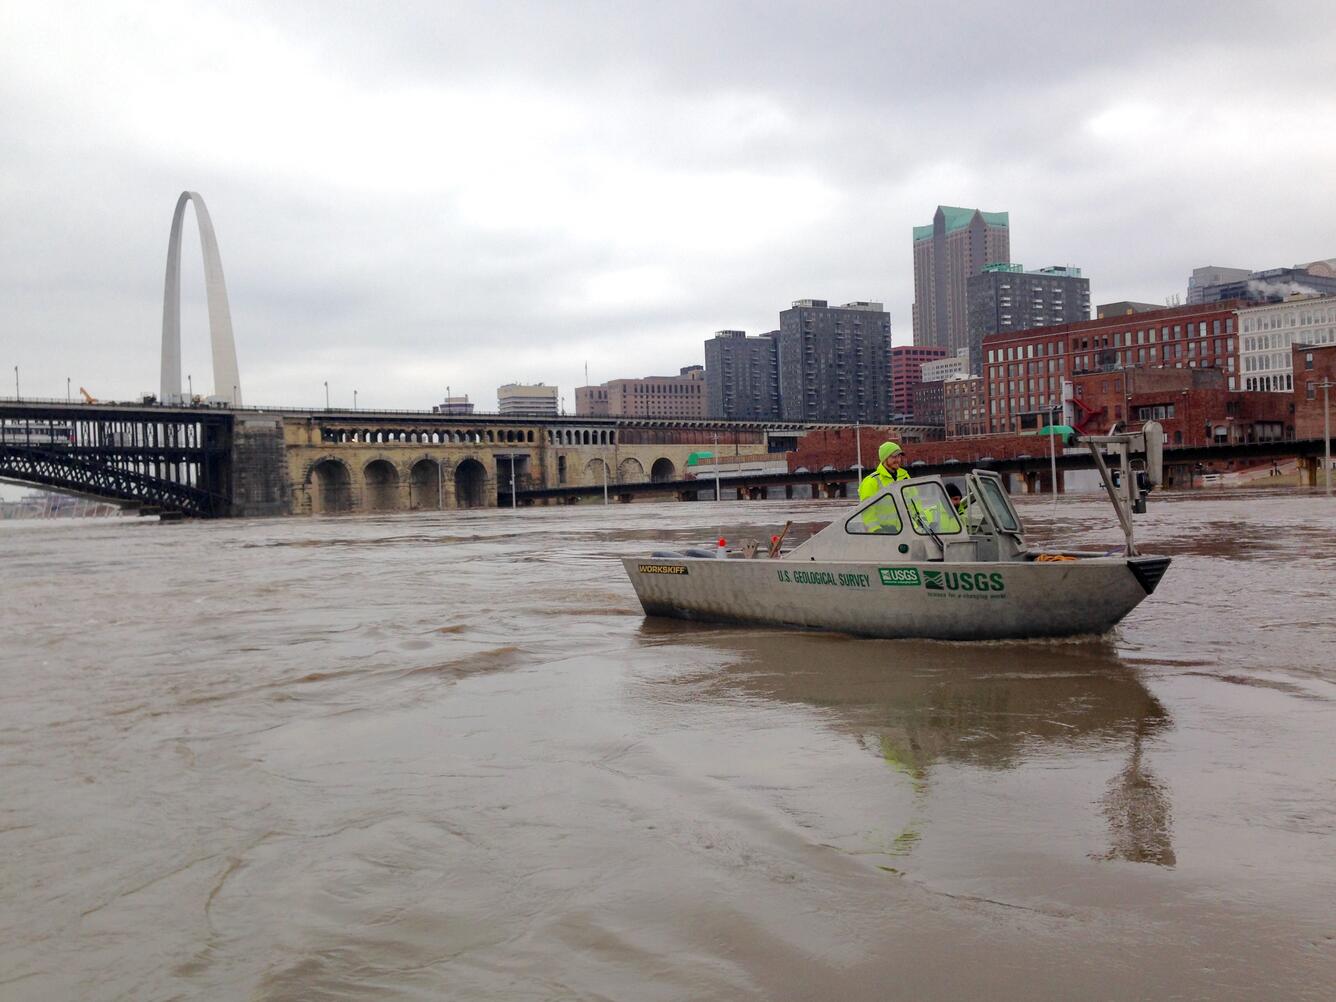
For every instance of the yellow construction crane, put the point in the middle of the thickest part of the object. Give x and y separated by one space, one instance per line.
88 397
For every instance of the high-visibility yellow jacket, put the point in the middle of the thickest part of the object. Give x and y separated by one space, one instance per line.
878 480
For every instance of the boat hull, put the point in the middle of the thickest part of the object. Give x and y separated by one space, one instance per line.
946 601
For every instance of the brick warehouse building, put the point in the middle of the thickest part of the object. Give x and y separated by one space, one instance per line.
1024 371
928 404
1194 406
965 407
1313 365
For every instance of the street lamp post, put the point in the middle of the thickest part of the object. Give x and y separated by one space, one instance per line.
1326 430
354 400
17 394
326 394
190 388
67 389
717 496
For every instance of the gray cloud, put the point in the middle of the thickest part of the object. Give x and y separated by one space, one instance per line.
416 195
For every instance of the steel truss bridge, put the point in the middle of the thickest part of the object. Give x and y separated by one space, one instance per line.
173 459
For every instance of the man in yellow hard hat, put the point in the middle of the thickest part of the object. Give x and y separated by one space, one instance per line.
889 469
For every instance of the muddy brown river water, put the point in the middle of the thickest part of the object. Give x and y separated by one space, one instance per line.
445 756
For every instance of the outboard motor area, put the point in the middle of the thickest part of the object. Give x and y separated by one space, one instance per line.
1139 467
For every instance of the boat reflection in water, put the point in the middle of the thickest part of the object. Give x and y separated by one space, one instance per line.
926 707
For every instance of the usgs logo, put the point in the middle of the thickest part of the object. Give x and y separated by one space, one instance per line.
962 581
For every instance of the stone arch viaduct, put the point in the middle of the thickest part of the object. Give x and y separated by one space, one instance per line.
360 462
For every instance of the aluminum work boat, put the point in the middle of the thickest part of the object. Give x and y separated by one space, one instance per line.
910 563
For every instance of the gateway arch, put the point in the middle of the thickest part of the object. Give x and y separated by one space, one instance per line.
226 382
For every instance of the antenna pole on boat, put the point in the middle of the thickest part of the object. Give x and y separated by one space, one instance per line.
1052 465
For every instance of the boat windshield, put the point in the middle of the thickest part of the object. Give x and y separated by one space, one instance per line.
997 505
882 516
930 510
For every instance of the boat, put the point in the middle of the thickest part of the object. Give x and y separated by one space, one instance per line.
909 563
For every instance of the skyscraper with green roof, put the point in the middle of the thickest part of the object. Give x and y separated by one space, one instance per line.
957 243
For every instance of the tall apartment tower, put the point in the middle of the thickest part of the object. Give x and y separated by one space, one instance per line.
742 376
833 362
955 245
1006 298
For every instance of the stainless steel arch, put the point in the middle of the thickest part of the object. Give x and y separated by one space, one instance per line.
226 381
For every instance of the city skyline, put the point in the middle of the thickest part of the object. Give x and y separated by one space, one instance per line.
381 233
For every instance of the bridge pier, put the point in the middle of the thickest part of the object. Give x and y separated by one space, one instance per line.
1307 468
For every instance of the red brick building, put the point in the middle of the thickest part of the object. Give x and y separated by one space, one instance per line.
1194 406
1312 367
1024 371
906 373
965 407
928 404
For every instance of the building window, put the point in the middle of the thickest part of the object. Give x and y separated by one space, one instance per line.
1311 390
1308 360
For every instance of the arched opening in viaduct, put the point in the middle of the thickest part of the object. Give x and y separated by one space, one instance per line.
382 485
424 485
629 471
663 470
596 472
333 488
470 484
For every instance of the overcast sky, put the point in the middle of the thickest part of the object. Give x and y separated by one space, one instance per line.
410 196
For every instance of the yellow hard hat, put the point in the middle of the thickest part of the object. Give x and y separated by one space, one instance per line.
888 449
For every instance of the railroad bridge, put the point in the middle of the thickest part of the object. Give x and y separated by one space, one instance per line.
231 461
211 462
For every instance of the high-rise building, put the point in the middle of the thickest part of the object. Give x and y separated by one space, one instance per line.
680 396
1006 297
906 373
957 243
742 376
534 399
833 362
1275 285
1202 278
